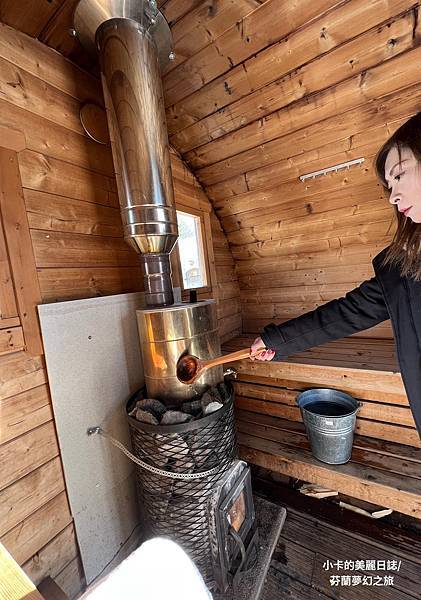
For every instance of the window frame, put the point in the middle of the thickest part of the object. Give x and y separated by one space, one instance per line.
203 229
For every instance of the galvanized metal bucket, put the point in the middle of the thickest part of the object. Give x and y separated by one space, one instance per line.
329 417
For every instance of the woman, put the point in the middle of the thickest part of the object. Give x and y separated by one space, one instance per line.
395 290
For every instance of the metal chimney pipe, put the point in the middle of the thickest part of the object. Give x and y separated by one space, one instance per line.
132 38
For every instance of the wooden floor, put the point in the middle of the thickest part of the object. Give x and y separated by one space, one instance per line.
317 535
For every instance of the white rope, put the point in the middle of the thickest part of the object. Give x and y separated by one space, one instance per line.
150 468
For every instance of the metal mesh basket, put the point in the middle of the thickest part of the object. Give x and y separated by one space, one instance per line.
178 508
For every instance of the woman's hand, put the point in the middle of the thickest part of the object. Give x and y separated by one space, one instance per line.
267 354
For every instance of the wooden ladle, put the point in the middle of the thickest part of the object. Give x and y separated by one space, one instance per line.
190 368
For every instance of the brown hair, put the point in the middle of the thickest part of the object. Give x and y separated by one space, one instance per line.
404 251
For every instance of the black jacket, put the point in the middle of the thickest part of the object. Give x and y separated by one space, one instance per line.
387 295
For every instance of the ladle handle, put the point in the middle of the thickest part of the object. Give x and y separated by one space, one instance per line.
226 358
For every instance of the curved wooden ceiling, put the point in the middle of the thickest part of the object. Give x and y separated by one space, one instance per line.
262 91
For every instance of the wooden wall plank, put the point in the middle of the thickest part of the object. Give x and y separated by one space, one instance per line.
26 453
56 249
72 579
50 560
23 412
8 307
28 494
35 58
56 141
46 174
58 213
20 372
370 411
203 24
24 540
73 283
20 88
173 10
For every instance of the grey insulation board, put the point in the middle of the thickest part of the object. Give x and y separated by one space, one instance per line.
94 365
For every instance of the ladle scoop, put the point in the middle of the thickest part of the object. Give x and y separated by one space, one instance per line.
190 368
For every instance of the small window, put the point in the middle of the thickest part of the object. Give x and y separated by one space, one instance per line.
192 255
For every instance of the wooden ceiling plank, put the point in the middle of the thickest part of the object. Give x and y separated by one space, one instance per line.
377 232
173 10
56 35
203 24
28 16
272 64
344 125
363 146
272 21
323 72
357 93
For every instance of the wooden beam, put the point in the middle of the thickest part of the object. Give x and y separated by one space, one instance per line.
15 224
14 584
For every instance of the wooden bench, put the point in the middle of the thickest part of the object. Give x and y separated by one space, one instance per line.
385 468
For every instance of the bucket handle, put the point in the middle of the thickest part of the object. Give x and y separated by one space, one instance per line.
360 405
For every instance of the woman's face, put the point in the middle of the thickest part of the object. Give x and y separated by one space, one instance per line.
403 176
